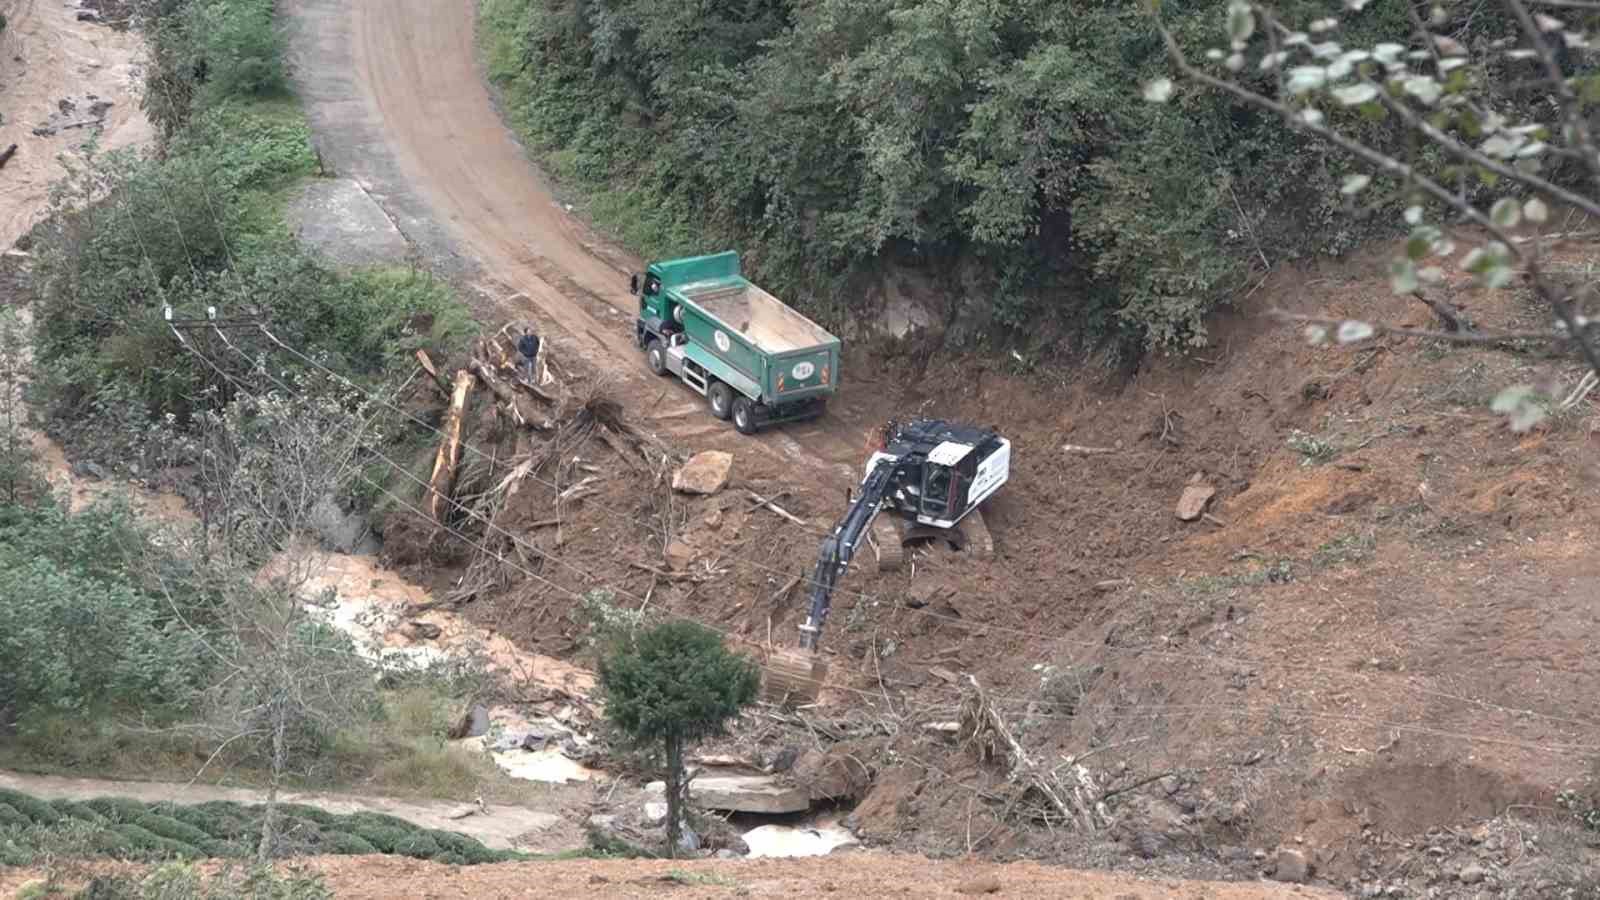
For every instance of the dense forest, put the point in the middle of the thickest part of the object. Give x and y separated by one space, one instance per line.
995 152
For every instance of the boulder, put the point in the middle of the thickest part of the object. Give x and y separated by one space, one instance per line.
743 793
1196 494
835 775
1291 866
705 473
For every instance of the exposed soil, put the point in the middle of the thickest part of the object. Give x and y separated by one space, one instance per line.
852 875
1381 635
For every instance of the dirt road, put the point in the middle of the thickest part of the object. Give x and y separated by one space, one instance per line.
855 875
397 100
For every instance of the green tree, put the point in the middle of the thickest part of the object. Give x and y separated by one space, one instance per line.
674 684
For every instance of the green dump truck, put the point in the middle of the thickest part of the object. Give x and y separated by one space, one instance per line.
754 359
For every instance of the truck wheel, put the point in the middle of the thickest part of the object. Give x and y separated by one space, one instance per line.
656 357
744 415
720 397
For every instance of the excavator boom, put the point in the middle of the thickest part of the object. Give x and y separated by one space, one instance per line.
840 546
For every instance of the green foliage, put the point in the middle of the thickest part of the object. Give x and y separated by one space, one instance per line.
132 830
89 621
675 679
197 225
999 149
178 881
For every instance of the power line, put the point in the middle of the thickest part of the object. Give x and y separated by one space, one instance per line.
963 624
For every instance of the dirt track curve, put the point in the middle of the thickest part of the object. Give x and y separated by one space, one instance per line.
397 100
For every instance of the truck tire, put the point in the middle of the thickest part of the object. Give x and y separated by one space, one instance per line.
657 357
744 415
720 397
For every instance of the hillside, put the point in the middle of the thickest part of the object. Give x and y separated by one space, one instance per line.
1365 666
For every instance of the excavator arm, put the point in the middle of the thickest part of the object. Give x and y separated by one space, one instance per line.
840 546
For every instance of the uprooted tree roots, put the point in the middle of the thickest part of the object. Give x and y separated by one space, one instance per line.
535 428
1064 795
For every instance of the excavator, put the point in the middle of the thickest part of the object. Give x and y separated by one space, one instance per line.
931 473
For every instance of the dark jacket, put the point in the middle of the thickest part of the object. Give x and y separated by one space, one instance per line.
529 345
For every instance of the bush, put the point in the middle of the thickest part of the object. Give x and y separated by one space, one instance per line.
81 631
10 818
169 827
148 844
78 811
343 843
37 811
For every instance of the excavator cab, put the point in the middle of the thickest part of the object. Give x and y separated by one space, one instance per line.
938 492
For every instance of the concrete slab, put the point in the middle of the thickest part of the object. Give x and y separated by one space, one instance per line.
337 219
742 793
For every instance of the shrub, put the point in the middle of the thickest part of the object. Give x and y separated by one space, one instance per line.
10 818
169 827
37 811
147 843
343 843
78 811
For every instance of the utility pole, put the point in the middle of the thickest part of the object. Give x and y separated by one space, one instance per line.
202 329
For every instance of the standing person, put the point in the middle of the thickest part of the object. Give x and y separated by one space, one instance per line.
528 344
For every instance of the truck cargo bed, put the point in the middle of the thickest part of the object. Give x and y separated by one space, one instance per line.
757 315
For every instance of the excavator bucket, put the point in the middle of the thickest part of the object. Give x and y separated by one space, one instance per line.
793 677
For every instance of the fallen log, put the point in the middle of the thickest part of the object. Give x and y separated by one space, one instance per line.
5 156
427 366
760 501
449 455
522 412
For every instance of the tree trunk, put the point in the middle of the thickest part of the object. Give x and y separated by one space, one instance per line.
444 463
280 725
674 793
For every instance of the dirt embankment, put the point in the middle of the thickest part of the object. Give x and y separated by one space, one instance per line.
857 874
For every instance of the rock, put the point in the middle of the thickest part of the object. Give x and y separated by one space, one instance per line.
99 107
983 884
680 554
783 760
705 473
1291 866
1473 874
725 853
748 793
423 631
473 722
66 106
1193 502
655 812
341 531
835 775
1150 844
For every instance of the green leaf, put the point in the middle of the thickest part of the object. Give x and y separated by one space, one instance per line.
1158 91
1306 78
1354 94
1535 211
1423 88
1498 275
1403 276
1373 112
1505 212
1489 179
1355 184
1241 21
